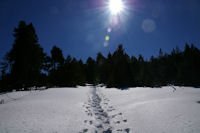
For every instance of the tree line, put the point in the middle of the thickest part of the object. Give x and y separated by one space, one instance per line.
27 65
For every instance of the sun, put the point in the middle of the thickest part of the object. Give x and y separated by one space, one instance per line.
116 6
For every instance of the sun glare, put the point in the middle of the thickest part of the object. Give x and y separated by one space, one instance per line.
116 6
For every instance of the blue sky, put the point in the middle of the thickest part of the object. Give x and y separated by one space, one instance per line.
79 27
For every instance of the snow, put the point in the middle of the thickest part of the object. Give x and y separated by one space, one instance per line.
56 110
90 109
158 110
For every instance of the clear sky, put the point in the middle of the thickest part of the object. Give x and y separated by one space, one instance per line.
80 27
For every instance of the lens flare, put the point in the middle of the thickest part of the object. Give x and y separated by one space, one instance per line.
116 6
105 44
109 30
107 38
148 25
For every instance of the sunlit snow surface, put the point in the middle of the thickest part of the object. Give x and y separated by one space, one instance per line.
90 109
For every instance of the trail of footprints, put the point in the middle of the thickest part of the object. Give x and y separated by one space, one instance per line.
102 116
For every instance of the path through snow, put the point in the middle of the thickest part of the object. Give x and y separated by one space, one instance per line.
102 119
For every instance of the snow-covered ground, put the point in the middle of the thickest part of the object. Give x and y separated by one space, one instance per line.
97 109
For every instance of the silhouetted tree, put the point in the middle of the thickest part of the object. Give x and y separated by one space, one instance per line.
91 71
120 75
56 76
57 57
101 70
25 58
26 65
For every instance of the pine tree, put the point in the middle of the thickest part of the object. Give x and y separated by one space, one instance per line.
91 71
121 71
101 70
25 58
56 75
57 57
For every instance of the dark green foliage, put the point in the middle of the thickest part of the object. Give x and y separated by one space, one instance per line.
101 68
55 66
57 57
91 71
70 73
188 72
78 76
120 69
24 60
26 65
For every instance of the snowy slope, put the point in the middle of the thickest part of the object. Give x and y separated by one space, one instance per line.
97 109
56 110
158 110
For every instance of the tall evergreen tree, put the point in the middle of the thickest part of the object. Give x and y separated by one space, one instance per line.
57 57
101 70
56 76
121 69
25 58
91 71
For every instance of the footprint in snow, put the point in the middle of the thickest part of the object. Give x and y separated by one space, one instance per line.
102 121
